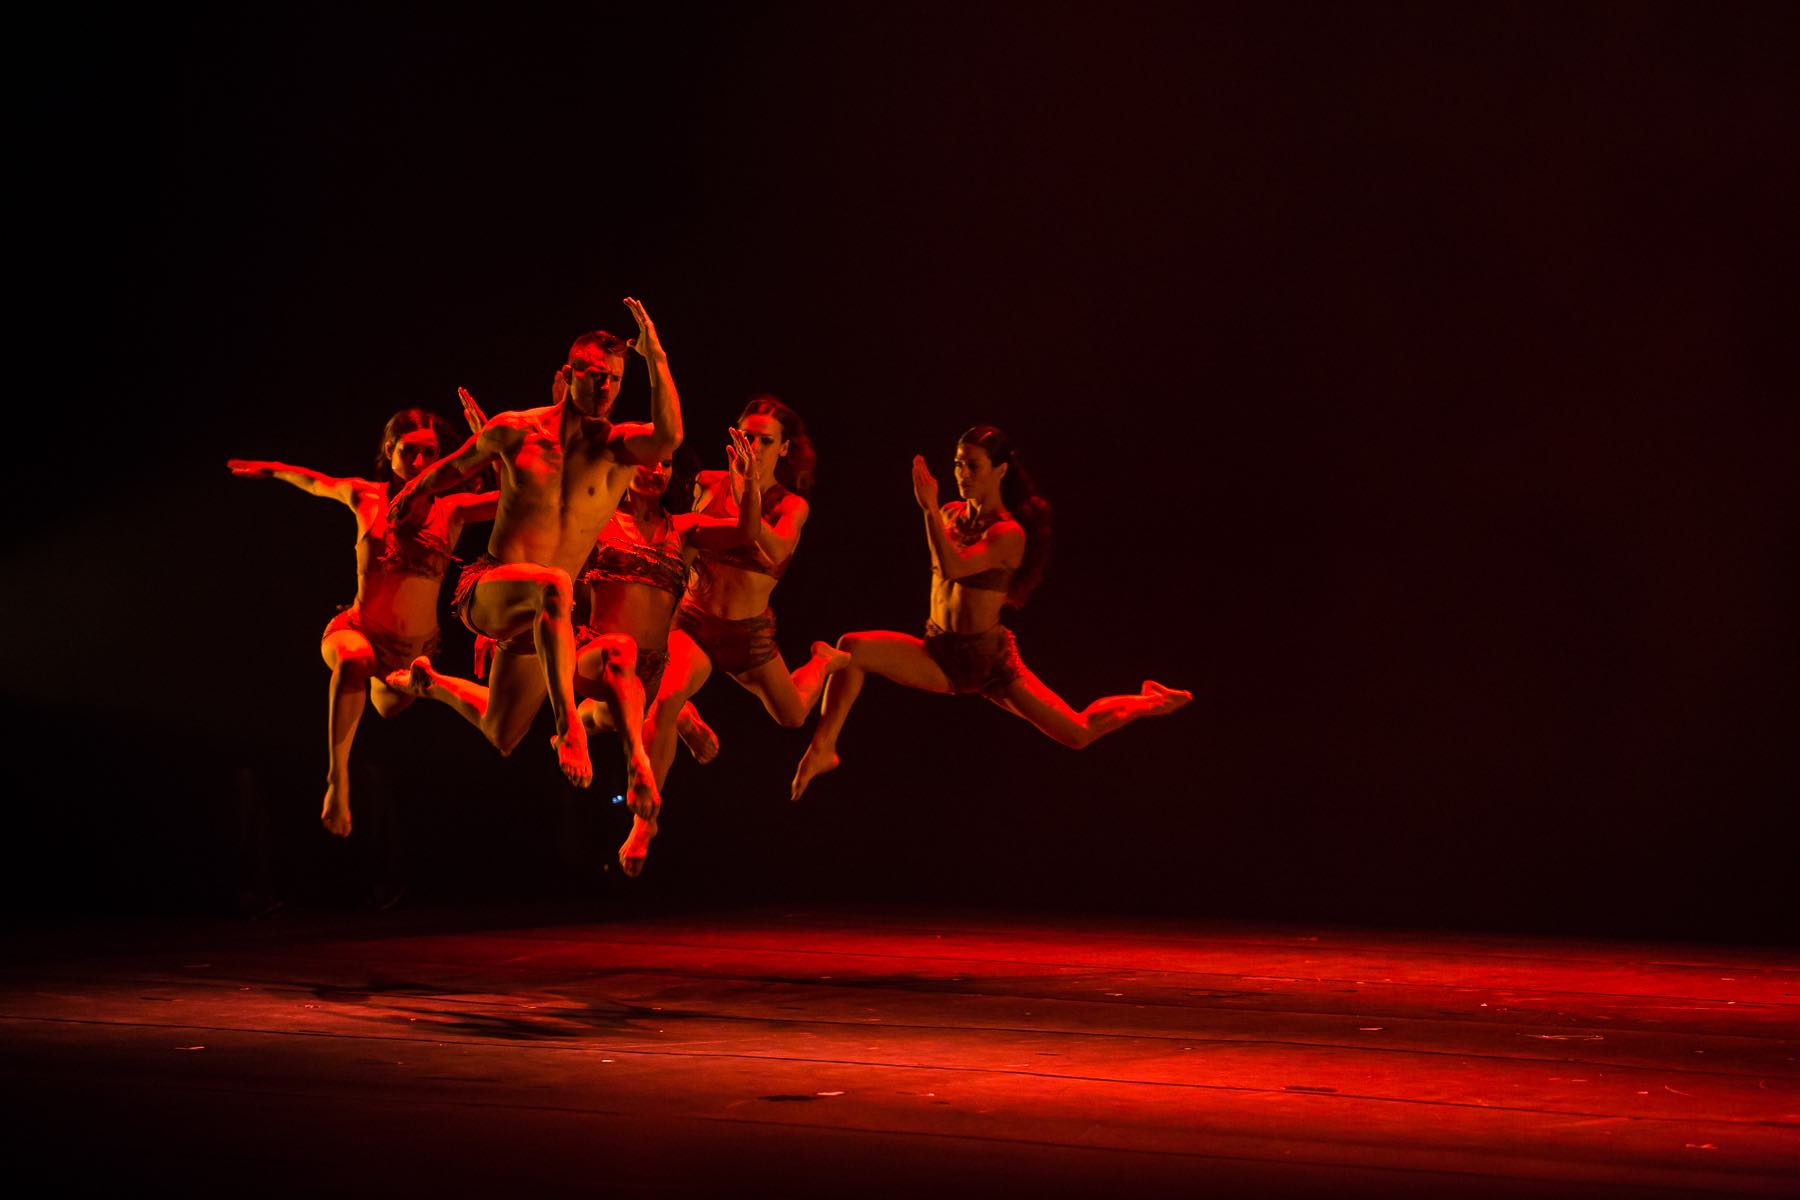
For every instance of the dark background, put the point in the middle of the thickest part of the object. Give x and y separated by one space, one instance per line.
1411 383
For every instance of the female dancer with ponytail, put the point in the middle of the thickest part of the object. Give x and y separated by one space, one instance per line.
399 570
724 621
988 553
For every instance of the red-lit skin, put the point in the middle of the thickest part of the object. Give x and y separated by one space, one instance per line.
734 593
903 659
405 603
629 616
562 474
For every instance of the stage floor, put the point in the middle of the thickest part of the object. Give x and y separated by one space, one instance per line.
849 1054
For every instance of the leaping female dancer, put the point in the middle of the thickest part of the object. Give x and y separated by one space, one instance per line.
639 572
724 621
988 553
398 573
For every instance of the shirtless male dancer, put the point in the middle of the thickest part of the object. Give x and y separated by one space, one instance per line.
563 470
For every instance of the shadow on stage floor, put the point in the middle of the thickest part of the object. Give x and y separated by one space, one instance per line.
564 1049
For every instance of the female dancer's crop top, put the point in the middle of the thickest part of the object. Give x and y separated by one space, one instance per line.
628 559
965 532
409 552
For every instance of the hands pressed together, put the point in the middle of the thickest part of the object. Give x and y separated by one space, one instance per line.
925 485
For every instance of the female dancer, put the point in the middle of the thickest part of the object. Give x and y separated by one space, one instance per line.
639 571
988 553
724 620
398 571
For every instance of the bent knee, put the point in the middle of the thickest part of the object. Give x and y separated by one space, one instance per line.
505 740
855 645
617 652
556 594
359 661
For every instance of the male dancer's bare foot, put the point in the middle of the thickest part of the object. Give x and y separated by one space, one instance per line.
815 762
636 847
1164 699
641 796
696 734
572 755
415 680
335 815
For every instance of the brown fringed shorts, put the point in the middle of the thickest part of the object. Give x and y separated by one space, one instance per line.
392 652
984 663
733 646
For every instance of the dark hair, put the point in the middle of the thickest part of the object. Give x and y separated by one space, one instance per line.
1028 508
684 466
598 344
403 423
796 469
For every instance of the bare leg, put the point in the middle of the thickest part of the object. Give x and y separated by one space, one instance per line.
1029 698
788 698
388 700
608 668
597 716
687 672
509 598
352 662
895 656
696 734
636 847
465 697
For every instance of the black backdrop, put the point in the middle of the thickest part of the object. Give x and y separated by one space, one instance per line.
1408 379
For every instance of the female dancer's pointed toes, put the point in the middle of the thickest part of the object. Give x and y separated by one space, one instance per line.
414 680
835 659
334 815
572 755
636 847
813 763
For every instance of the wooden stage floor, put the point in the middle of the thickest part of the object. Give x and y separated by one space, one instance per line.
854 1054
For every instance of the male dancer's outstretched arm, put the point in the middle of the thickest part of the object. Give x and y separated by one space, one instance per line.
665 433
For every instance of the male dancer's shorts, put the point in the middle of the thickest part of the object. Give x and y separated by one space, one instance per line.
392 652
733 646
986 662
464 599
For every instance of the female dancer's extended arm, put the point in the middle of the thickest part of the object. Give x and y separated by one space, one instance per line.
314 483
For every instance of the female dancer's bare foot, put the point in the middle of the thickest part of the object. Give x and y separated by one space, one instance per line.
572 755
1164 699
640 788
696 734
835 659
636 847
815 762
416 680
335 815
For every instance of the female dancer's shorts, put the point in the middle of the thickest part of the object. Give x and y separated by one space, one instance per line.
650 663
392 652
733 646
985 662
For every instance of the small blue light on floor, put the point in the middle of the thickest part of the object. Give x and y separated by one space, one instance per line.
619 799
